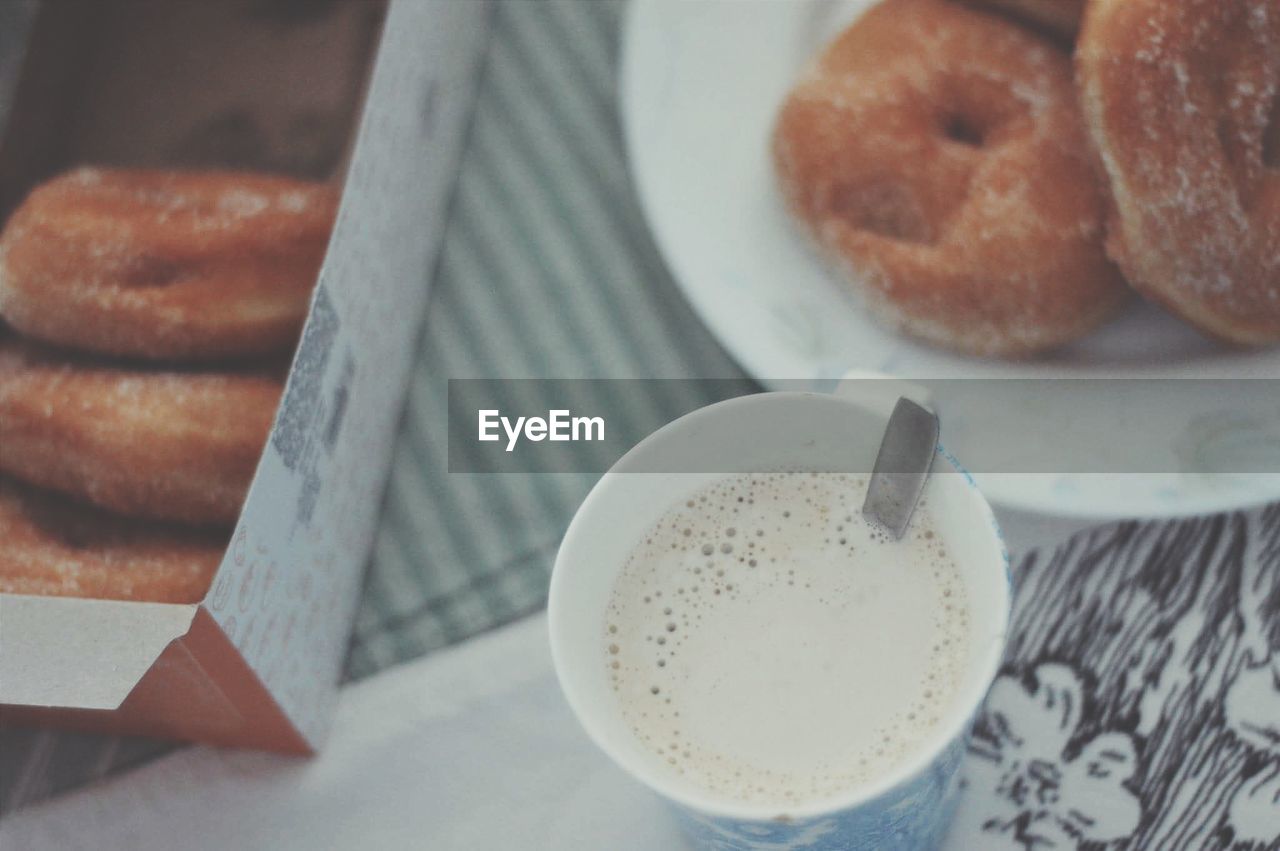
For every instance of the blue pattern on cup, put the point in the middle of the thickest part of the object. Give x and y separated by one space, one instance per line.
912 816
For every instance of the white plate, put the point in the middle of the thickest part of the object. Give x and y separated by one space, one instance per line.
701 81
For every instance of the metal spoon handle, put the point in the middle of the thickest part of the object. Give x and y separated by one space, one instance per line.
902 466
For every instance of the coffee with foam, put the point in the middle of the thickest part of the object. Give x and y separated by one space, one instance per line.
770 646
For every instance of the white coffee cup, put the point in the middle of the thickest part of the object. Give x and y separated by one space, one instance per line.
909 807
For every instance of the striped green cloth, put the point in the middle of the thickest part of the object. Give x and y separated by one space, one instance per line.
547 270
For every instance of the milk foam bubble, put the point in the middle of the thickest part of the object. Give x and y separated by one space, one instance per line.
771 646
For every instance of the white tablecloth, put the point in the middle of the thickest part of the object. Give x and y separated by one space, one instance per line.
472 748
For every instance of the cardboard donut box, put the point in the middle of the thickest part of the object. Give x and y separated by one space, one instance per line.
371 94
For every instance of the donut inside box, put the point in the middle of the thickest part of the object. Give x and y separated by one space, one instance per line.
370 96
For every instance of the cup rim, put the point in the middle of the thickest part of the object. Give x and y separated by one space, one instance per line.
953 727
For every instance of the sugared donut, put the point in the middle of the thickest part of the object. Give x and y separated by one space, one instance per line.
169 265
936 154
1181 101
52 547
144 443
1060 16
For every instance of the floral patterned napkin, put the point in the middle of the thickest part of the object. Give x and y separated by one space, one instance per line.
1139 702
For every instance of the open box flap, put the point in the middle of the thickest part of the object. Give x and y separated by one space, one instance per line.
293 570
82 654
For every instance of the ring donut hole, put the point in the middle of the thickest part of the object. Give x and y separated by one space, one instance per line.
888 207
962 129
973 112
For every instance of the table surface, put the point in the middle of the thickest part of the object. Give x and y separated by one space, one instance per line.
547 270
